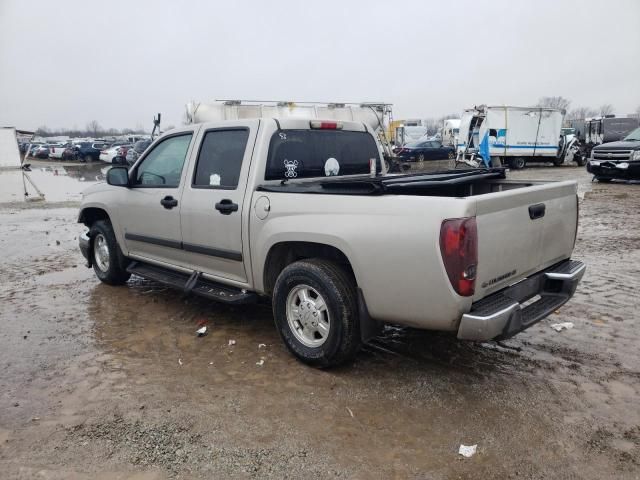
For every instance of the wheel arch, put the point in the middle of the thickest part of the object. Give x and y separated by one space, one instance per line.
89 215
285 253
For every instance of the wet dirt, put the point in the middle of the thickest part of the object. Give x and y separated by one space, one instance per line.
108 382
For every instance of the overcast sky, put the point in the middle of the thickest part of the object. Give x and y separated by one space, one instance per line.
64 63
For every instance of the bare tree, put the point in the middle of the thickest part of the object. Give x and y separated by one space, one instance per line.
93 127
42 131
581 113
606 109
554 102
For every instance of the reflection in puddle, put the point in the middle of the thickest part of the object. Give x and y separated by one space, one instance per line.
58 183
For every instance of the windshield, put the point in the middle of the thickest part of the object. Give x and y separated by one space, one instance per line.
320 153
634 136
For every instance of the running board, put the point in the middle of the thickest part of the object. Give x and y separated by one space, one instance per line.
192 284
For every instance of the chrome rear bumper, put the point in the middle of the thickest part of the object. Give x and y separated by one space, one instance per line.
509 311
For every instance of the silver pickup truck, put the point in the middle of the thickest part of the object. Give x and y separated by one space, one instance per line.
302 212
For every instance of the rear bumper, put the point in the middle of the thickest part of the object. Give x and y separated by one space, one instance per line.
84 242
510 311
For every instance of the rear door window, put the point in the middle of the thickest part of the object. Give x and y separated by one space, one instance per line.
220 158
320 153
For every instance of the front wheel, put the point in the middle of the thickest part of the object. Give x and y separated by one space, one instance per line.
109 263
420 157
581 161
88 158
316 312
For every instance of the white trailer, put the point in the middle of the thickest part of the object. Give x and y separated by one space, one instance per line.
512 135
376 115
450 131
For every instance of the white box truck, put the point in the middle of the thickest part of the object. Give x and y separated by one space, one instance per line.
512 136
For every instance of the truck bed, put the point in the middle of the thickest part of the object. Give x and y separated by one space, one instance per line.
453 183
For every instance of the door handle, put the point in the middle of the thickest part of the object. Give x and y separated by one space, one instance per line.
226 206
169 202
537 211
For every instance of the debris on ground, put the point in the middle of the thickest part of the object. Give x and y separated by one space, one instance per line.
467 451
261 362
232 343
558 327
350 412
262 345
180 361
202 331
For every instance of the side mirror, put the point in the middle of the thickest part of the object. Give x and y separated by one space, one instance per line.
118 176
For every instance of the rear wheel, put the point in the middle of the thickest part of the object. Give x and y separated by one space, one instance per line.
518 163
316 312
420 157
558 161
109 263
88 158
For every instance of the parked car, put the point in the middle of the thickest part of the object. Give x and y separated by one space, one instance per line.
33 148
69 153
42 151
57 151
426 150
616 160
287 208
138 148
88 151
112 153
121 154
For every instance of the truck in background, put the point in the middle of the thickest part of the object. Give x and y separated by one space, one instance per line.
514 136
376 115
450 132
599 130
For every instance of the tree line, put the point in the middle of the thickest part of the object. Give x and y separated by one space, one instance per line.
92 129
578 113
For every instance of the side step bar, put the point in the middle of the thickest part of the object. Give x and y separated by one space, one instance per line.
192 284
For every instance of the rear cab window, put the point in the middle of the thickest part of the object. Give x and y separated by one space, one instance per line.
320 153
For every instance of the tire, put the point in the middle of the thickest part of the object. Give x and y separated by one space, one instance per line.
581 161
88 158
558 162
109 263
336 343
451 156
603 180
420 157
517 163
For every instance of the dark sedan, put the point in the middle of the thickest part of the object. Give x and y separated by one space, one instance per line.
425 150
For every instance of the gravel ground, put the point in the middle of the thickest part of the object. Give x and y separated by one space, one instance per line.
112 383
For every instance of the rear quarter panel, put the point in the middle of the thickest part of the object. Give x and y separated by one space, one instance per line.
392 243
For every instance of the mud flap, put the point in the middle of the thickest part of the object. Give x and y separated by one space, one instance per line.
369 328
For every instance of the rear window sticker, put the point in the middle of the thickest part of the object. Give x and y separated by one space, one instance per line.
331 167
291 166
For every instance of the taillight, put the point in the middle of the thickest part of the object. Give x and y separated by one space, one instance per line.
459 249
575 234
317 124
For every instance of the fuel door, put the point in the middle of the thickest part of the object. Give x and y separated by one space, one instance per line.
262 207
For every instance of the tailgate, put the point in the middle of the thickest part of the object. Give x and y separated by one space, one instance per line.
523 231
